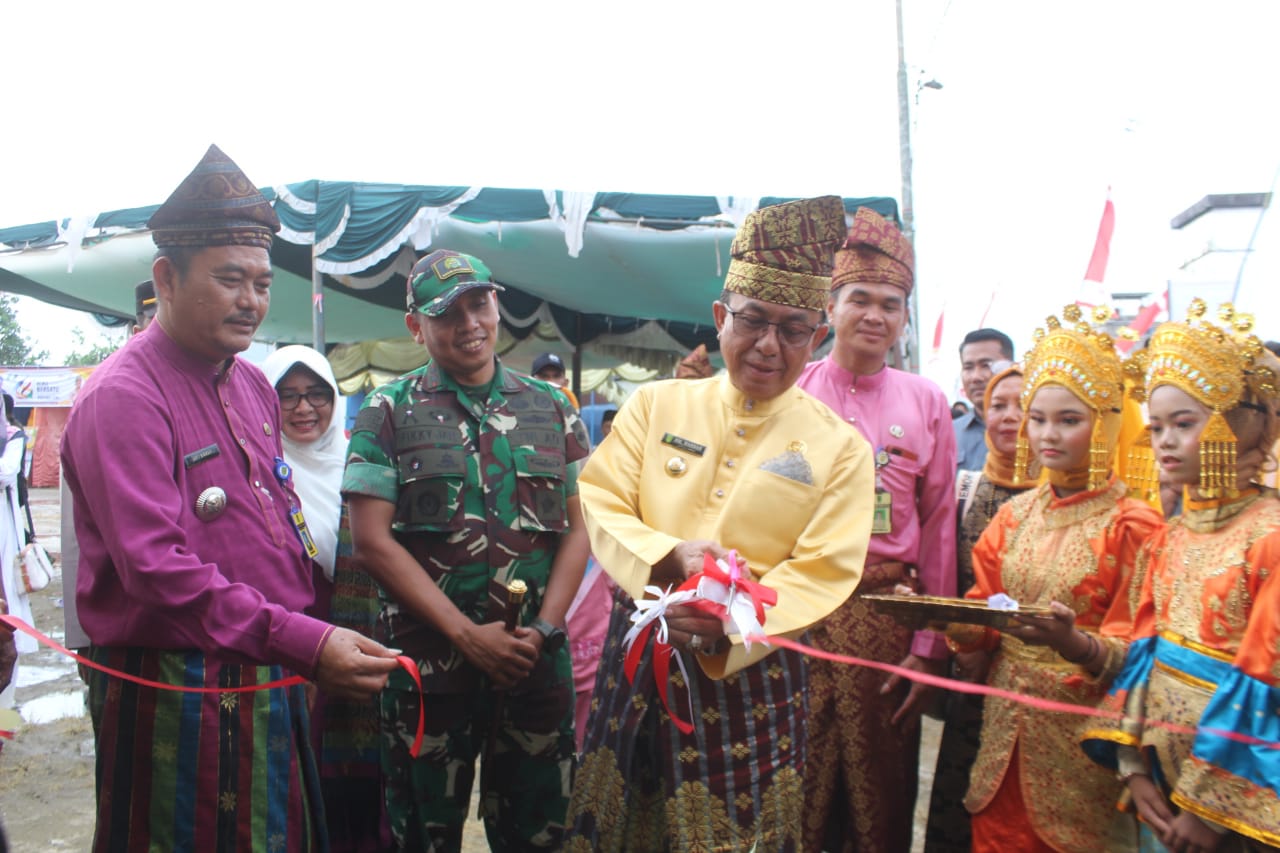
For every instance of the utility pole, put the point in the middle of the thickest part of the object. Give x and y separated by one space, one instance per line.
911 361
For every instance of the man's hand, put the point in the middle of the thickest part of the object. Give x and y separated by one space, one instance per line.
1189 834
684 561
506 658
529 635
918 697
1152 805
685 622
352 665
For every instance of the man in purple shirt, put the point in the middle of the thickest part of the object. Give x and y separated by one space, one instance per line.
860 783
194 561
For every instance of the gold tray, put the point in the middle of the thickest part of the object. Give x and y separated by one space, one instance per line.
917 611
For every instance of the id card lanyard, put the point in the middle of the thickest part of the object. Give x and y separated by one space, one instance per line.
882 514
283 472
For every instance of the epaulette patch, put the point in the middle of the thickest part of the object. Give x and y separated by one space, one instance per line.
370 419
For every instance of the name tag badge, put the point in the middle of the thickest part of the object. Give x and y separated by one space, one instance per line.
882 515
201 455
300 525
903 452
673 440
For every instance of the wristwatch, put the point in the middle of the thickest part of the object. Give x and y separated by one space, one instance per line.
552 637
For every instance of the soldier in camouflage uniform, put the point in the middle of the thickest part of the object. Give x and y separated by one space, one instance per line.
462 477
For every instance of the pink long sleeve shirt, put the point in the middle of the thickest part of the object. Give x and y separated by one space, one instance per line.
153 429
907 417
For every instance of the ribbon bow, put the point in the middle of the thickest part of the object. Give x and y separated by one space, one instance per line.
723 589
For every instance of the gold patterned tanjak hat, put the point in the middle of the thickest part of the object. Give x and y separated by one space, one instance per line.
875 252
783 253
1221 367
1083 360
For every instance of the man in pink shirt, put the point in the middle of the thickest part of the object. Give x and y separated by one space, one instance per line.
195 565
864 735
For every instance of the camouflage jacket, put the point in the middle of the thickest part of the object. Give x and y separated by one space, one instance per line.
480 489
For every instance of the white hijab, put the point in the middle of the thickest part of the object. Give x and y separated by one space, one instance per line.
317 466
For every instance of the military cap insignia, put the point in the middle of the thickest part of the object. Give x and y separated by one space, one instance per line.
451 265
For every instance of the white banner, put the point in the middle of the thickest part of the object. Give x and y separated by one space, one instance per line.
38 386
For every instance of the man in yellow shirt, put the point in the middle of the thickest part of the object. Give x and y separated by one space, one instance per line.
742 461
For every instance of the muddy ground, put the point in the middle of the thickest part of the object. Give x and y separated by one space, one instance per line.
46 771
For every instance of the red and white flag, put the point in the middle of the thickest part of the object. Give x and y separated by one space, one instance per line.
1092 292
1155 309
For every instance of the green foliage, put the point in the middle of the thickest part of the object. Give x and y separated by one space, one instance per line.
92 355
16 348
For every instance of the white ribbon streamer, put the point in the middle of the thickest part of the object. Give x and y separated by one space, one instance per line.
650 610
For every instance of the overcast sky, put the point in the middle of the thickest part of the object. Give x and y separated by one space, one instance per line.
1042 108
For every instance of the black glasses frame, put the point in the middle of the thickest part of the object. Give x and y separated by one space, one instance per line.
790 333
317 398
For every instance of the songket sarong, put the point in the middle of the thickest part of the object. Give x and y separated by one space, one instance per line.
201 772
733 784
347 731
860 789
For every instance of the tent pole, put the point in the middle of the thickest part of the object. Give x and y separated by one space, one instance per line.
577 354
317 304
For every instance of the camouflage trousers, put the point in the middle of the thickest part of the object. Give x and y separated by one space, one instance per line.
526 776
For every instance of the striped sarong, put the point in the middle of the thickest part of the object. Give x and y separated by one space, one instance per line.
346 731
201 771
734 783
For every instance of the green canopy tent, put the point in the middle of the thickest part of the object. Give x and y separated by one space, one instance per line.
619 274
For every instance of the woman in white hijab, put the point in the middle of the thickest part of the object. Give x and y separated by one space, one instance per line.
312 415
12 533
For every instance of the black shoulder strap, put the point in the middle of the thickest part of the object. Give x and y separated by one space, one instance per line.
24 494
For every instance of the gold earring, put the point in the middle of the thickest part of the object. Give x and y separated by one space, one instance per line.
1099 470
1218 459
1140 474
1022 456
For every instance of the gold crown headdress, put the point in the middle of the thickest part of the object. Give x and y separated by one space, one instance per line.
1220 367
1084 361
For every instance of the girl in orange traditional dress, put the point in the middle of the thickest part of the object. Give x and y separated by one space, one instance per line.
979 497
1206 642
1068 545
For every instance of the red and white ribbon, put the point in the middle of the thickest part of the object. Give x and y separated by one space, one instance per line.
651 615
405 662
722 589
725 589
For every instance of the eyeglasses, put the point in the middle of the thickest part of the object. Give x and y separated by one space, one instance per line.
315 398
791 334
